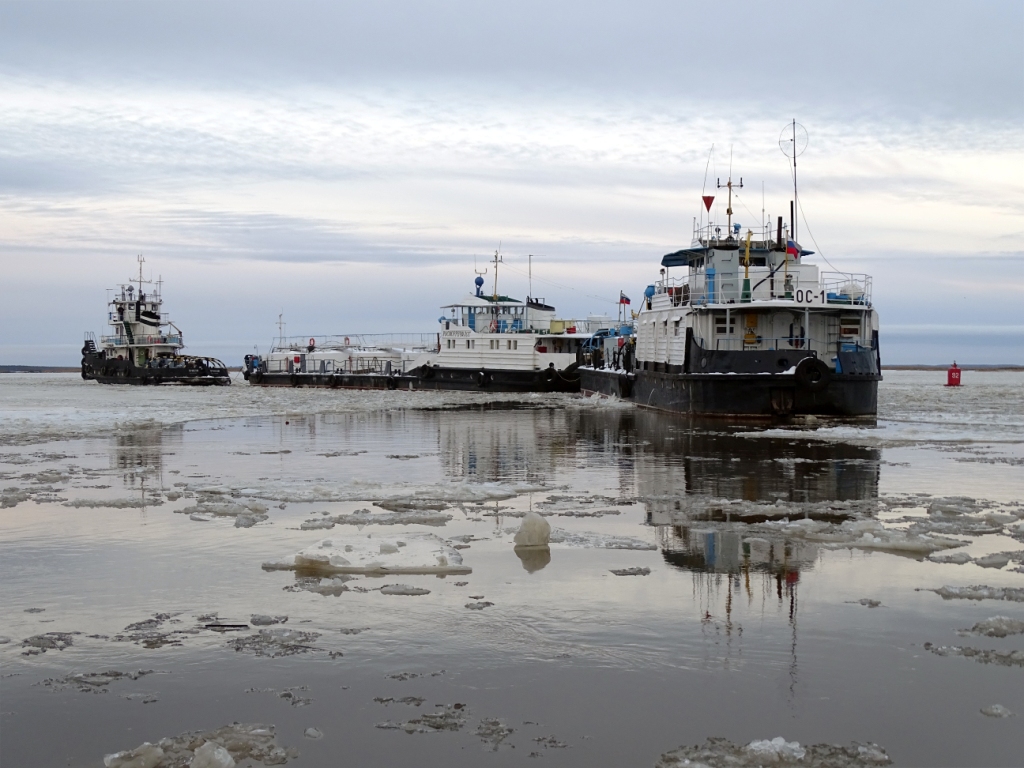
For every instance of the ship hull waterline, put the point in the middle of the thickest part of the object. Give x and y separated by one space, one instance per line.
96 368
434 378
737 395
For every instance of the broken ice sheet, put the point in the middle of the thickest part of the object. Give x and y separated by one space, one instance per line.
366 517
92 682
981 592
403 589
378 554
198 749
276 642
997 626
598 540
722 753
1001 658
451 717
492 732
49 641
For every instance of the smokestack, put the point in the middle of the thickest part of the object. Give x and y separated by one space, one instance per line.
778 240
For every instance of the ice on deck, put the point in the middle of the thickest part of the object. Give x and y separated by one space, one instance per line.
377 554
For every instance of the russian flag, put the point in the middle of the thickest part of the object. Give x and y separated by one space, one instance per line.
792 249
623 298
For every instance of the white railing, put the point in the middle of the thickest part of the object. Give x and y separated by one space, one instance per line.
356 340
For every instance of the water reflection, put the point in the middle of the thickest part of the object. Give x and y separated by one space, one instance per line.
138 456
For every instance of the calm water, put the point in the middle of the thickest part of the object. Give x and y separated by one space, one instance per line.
749 624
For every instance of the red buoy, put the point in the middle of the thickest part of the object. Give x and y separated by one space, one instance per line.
953 376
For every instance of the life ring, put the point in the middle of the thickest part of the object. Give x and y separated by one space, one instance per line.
312 342
812 374
493 326
347 341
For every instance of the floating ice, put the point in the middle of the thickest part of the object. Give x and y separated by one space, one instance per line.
956 558
260 620
721 753
631 571
598 540
207 749
402 589
998 626
50 641
493 732
413 553
144 756
534 531
313 733
1002 658
92 682
212 755
366 517
867 601
329 586
276 642
451 718
981 592
246 513
479 606
113 503
776 750
996 710
998 560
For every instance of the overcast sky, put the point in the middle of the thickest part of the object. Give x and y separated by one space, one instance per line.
346 163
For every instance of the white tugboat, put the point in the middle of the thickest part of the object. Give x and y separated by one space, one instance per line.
144 346
490 342
751 329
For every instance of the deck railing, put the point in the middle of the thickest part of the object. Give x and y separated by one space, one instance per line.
356 340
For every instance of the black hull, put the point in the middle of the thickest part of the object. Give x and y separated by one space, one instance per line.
744 395
96 368
458 379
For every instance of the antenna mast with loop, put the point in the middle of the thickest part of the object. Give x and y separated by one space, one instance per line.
793 146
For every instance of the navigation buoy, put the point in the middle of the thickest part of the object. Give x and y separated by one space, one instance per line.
953 376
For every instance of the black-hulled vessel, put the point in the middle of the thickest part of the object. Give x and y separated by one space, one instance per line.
144 346
750 329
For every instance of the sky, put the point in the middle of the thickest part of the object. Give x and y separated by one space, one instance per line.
350 164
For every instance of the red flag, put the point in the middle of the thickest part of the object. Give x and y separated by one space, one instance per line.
708 200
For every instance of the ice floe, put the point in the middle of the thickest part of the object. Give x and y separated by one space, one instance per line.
450 717
403 589
276 642
386 553
113 503
598 540
996 710
261 620
722 753
1002 658
245 513
493 732
49 641
631 571
981 592
534 531
997 626
221 748
92 682
479 605
313 733
290 695
366 517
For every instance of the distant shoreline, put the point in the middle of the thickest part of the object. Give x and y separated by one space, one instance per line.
916 367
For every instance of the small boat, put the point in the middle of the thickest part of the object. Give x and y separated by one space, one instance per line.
145 346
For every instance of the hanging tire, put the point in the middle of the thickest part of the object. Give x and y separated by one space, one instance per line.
391 382
294 379
812 374
482 379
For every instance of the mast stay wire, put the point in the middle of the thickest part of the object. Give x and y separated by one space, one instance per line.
803 217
